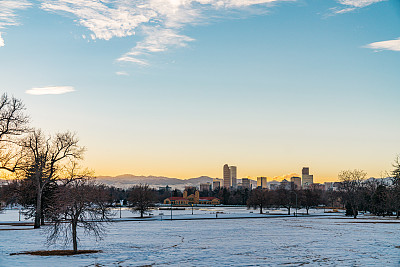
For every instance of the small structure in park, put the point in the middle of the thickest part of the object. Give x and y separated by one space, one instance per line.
192 199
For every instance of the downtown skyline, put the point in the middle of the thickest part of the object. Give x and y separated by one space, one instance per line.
178 88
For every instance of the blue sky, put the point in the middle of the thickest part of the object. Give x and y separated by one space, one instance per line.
180 87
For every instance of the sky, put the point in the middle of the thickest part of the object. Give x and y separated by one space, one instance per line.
178 88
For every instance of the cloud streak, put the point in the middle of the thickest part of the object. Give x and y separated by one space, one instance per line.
351 5
8 14
50 90
393 45
122 73
159 22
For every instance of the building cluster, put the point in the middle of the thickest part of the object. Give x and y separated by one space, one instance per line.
306 181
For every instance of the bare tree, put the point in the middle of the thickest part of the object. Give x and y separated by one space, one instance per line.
309 198
43 160
352 184
78 203
259 198
285 199
395 190
142 198
13 122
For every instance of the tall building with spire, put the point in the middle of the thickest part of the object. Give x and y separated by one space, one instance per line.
227 176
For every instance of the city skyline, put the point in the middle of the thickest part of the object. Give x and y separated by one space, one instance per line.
177 88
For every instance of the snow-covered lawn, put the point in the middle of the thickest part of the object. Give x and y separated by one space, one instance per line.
292 241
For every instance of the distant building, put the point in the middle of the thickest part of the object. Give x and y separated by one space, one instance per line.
192 199
296 183
233 170
274 186
306 178
337 186
262 182
230 176
316 186
216 184
164 188
285 184
246 183
205 187
328 186
227 176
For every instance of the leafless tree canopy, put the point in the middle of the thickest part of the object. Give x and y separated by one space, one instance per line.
13 122
79 203
43 160
142 198
259 198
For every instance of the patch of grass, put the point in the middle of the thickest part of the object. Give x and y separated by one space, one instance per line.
56 252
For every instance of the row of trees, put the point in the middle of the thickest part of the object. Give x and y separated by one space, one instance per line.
377 196
288 199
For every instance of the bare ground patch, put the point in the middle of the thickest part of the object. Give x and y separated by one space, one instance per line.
55 252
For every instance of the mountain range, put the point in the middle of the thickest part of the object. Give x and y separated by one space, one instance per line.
129 180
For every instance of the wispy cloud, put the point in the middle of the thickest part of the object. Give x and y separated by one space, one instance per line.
50 90
351 5
159 22
8 16
393 45
122 73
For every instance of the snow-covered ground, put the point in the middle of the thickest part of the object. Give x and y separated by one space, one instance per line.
271 240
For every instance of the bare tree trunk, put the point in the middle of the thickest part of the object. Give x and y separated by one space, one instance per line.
38 213
288 211
307 210
355 213
42 217
141 213
261 207
74 237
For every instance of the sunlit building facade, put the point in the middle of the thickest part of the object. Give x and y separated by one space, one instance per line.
227 176
262 182
306 178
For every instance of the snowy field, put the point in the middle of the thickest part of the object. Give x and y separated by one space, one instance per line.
271 240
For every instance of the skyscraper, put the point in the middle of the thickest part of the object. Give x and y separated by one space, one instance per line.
227 176
306 178
261 182
233 170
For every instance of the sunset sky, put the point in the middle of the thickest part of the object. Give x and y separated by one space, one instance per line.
178 88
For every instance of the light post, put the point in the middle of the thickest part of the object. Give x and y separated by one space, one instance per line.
295 213
171 204
120 208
